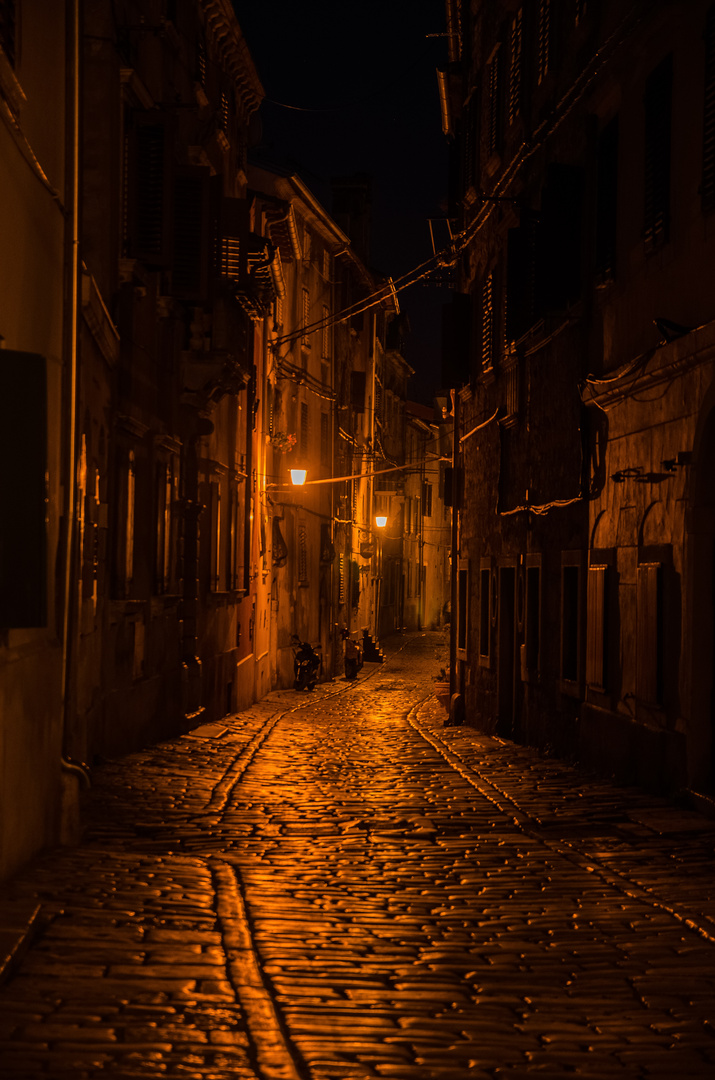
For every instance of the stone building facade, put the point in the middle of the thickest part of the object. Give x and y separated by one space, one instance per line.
581 339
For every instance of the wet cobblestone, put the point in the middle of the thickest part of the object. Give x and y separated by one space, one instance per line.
337 885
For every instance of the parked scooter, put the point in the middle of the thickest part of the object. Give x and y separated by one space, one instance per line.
306 664
353 655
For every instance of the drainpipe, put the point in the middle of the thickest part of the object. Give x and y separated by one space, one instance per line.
71 290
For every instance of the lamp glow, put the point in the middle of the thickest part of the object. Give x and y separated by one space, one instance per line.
381 521
297 477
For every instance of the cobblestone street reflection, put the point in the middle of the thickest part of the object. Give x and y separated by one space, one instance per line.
336 885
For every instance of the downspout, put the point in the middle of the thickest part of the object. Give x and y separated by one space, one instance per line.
71 291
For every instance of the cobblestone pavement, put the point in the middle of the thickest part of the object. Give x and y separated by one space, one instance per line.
337 885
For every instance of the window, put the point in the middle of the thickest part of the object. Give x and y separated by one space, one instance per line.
515 40
129 510
596 626
708 182
494 103
324 439
302 554
462 608
488 322
543 41
326 264
307 252
304 429
485 604
656 196
215 533
148 168
607 201
325 334
532 629
341 579
164 491
649 633
8 29
427 498
305 340
357 391
570 621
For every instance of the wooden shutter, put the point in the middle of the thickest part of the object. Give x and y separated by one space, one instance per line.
596 626
649 633
656 197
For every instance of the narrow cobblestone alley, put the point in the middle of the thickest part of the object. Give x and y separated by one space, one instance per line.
337 885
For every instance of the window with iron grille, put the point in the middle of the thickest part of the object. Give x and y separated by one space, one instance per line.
8 29
494 103
707 189
658 95
341 580
515 66
543 41
304 428
488 321
305 340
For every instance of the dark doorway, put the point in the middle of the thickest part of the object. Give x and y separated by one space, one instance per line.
506 652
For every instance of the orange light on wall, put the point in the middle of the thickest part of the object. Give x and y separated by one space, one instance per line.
297 477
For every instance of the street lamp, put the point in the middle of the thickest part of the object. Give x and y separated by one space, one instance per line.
381 521
297 477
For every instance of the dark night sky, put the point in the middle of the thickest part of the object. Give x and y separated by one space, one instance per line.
362 83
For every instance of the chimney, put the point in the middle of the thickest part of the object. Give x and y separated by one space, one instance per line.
352 202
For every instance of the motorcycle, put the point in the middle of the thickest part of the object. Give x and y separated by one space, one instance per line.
353 656
306 665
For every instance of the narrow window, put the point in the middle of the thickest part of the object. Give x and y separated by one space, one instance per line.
324 439
304 430
488 322
607 201
302 555
427 498
494 103
543 43
707 189
569 622
129 510
649 633
462 610
305 341
325 335
8 29
656 201
341 579
596 627
533 618
485 603
515 43
215 536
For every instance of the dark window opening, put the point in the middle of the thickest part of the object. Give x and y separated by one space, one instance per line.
485 576
569 622
533 617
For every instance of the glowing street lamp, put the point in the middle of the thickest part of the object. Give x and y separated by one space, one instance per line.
297 477
381 521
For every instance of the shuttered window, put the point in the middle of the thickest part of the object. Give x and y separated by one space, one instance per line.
656 193
596 626
485 581
494 104
649 633
708 181
607 201
543 40
515 47
305 340
488 322
148 191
